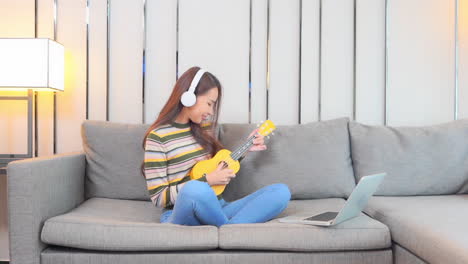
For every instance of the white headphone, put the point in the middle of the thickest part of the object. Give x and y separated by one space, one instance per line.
188 98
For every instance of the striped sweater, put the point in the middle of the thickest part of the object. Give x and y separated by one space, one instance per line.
170 153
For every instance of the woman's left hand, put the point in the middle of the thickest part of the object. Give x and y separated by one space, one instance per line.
258 143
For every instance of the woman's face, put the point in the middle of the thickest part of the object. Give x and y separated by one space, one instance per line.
204 107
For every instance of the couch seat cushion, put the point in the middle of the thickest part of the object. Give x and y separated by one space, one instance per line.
432 227
359 233
111 224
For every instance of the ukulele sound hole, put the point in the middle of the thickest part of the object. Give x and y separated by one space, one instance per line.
224 164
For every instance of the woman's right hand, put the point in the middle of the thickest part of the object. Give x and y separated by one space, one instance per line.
220 176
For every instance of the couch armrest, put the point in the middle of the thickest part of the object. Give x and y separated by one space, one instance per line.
38 189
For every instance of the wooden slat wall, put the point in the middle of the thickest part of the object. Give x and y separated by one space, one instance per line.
370 61
258 60
215 35
283 93
421 62
326 60
45 113
97 60
126 61
337 59
161 47
71 103
310 61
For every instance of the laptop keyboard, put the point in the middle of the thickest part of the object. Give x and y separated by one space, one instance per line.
328 216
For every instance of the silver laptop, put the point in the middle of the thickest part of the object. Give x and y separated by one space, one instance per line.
352 208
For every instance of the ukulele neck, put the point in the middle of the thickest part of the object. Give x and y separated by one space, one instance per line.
241 150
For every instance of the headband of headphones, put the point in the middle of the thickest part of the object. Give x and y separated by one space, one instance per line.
195 80
188 98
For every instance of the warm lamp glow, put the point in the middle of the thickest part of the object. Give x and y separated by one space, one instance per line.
31 63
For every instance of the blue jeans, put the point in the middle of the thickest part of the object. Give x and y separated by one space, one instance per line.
197 204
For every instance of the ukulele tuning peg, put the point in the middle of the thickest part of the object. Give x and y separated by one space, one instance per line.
272 133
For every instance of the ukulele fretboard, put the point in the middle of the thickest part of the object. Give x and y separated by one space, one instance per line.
239 152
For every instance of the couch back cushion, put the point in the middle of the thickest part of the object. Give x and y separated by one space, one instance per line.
313 159
114 155
424 160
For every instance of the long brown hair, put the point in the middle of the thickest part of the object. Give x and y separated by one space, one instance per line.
173 107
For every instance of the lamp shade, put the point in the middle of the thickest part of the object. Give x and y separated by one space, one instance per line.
31 63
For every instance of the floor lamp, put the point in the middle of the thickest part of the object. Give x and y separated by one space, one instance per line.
32 64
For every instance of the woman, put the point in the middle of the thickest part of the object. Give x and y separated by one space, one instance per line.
181 136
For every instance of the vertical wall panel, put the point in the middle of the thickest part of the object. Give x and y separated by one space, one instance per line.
45 100
310 61
16 21
421 62
71 103
258 60
126 64
215 35
283 97
463 59
370 61
337 59
160 77
97 57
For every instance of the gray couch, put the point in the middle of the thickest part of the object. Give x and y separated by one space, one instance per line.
92 206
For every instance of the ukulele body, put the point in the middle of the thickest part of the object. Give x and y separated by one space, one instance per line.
208 166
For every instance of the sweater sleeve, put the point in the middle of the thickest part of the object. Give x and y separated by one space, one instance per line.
155 168
163 191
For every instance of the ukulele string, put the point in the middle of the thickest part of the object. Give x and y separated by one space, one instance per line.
236 154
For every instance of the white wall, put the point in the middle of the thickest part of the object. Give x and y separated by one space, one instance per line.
305 61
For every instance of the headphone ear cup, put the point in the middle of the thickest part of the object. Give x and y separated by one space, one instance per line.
188 99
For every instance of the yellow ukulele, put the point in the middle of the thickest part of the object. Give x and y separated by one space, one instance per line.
230 158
